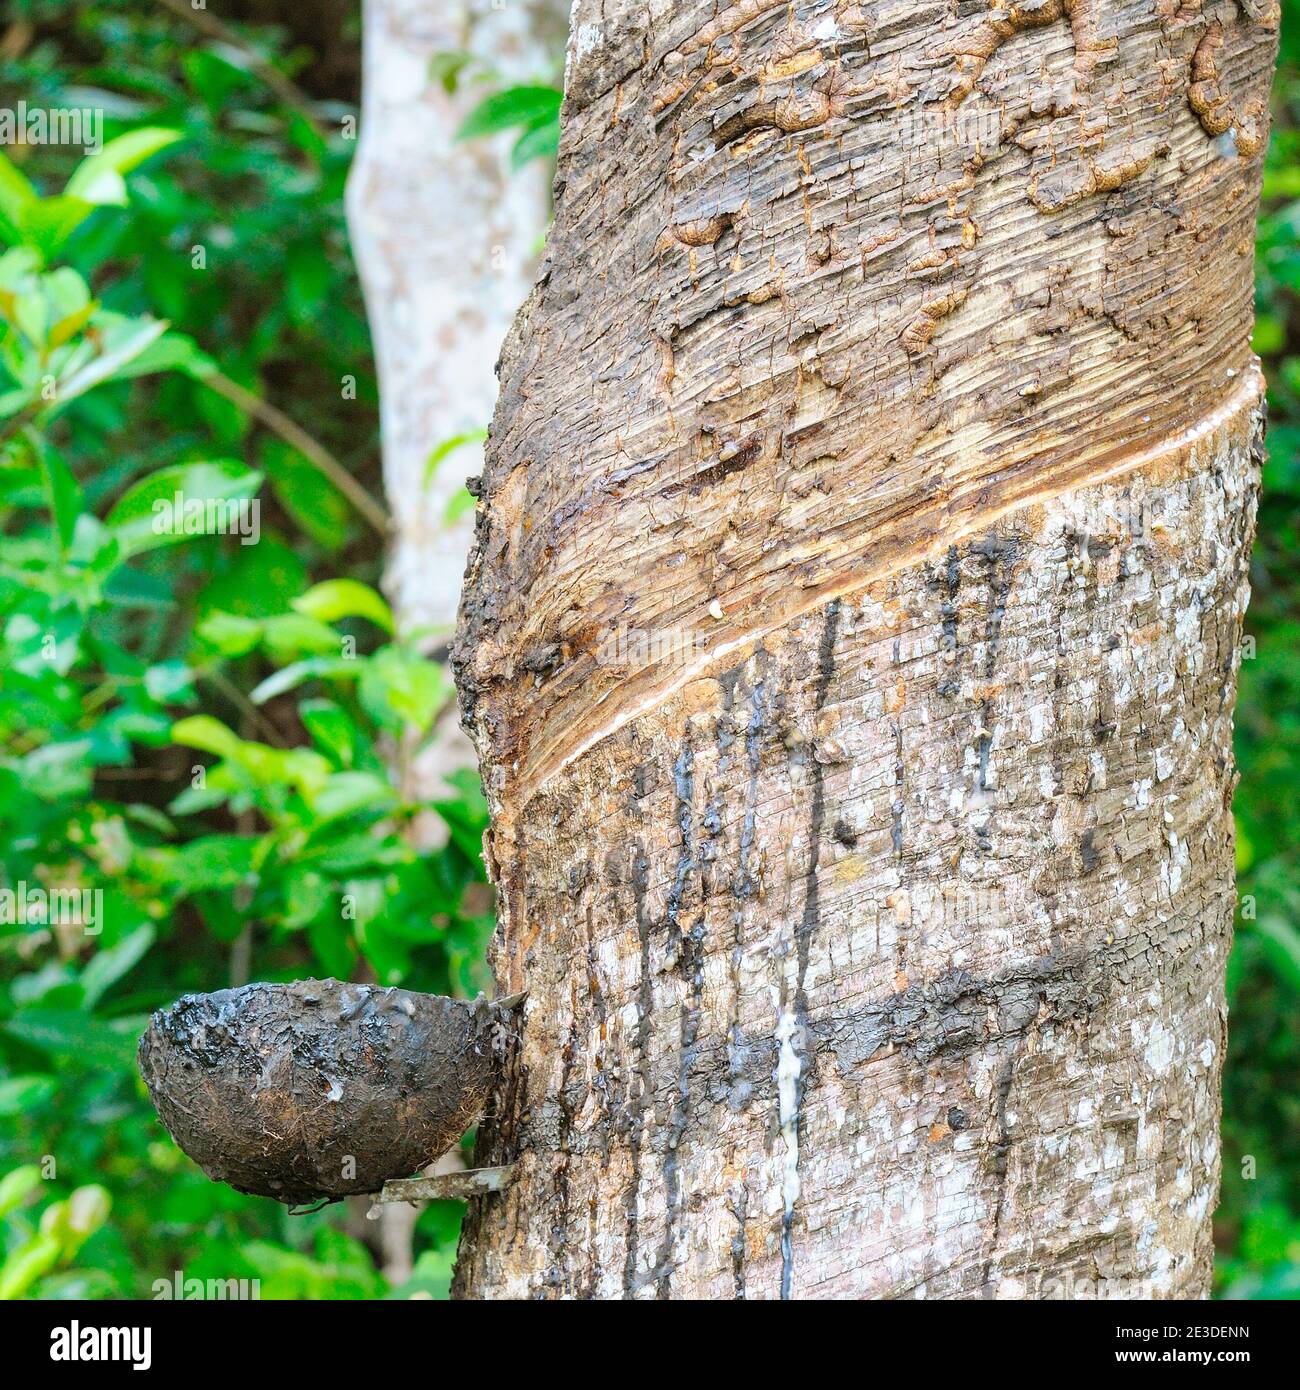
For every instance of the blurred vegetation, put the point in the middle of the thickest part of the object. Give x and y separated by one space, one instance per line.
204 730
1258 1224
200 728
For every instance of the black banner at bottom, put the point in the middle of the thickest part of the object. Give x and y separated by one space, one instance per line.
360 1339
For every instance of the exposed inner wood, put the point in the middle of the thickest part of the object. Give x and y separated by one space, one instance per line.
889 553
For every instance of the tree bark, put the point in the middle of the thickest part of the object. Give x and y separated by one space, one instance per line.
850 642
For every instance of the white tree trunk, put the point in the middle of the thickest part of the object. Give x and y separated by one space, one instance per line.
445 238
850 642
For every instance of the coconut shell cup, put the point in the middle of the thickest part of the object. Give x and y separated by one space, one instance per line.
318 1088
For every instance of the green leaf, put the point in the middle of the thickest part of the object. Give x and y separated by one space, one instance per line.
207 734
117 157
112 362
66 291
86 1212
280 767
71 1034
1281 943
266 766
47 223
344 598
431 1277
354 854
259 580
104 188
231 634
446 66
15 402
1270 334
332 944
458 504
19 264
214 861
294 675
526 106
194 801
288 636
16 1186
213 76
172 352
108 966
389 956
346 793
400 688
331 729
27 1263
465 825
169 683
541 142
16 196
62 492
172 504
32 314
306 494
448 447
19 1094
71 324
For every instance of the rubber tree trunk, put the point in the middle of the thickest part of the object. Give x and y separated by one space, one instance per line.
850 641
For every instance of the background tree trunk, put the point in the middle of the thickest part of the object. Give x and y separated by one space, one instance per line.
445 238
445 241
850 642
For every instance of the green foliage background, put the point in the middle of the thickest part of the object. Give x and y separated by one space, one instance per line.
203 729
1258 1225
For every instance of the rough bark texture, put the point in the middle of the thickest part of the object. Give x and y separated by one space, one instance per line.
850 640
